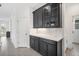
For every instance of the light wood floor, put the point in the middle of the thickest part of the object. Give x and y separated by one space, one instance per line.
8 49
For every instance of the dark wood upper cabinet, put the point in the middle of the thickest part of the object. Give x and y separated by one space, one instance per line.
40 23
35 19
48 16
56 15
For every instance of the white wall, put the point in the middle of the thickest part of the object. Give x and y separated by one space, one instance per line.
14 35
20 27
70 10
24 27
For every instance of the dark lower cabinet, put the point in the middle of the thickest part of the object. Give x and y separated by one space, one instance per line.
31 42
52 50
43 48
46 47
36 44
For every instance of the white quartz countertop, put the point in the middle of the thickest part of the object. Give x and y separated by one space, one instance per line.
54 37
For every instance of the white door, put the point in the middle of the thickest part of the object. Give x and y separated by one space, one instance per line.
23 32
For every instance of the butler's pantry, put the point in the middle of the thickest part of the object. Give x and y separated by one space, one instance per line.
39 29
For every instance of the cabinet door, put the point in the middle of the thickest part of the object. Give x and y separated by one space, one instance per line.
46 15
35 19
31 42
55 15
40 24
52 50
36 44
43 48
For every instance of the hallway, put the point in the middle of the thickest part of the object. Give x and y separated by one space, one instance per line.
7 49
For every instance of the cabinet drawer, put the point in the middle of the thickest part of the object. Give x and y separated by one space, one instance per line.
49 41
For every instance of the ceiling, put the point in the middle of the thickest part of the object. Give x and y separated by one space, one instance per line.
9 8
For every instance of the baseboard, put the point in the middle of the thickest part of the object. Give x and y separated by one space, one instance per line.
23 46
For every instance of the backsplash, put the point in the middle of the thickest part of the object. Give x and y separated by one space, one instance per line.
48 31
